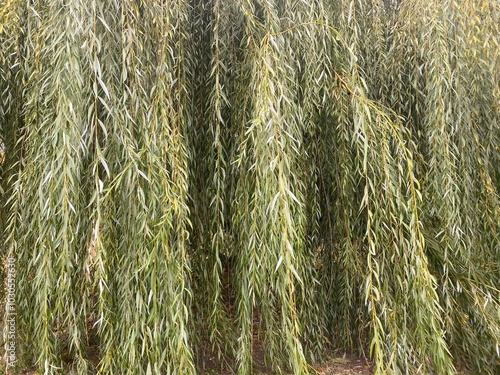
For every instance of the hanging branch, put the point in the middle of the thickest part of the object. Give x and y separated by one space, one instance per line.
184 180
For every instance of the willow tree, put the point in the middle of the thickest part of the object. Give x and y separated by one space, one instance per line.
192 178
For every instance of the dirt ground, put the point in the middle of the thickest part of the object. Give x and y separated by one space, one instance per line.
337 366
347 365
344 366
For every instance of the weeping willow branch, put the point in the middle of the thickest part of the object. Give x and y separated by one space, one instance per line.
188 180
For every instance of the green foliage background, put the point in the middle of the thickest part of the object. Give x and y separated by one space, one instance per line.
189 177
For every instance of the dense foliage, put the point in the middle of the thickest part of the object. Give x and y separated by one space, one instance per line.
187 178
